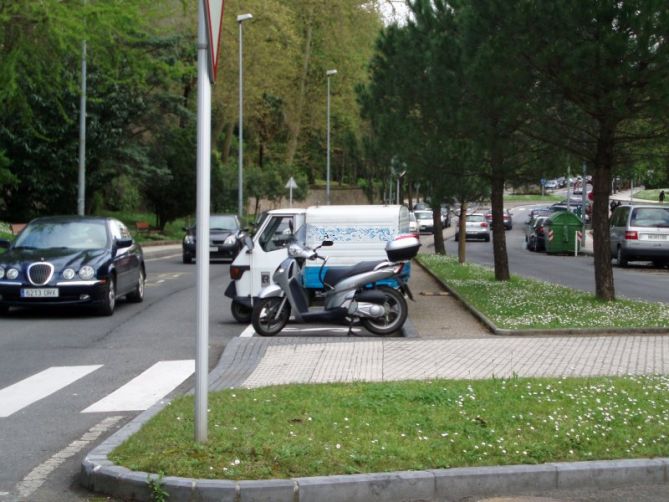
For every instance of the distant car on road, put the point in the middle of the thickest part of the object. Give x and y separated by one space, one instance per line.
640 233
87 261
506 214
224 242
551 185
476 227
425 221
413 225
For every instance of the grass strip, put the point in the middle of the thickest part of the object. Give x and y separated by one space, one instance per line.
650 195
325 429
534 198
522 303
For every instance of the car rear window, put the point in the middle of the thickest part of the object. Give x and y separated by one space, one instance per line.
475 217
650 217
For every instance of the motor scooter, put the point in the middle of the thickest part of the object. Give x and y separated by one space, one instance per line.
350 294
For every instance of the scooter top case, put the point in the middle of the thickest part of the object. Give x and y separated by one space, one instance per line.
403 247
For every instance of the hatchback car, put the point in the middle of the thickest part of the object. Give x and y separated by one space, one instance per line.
535 235
224 242
476 227
640 233
71 260
506 215
413 225
425 221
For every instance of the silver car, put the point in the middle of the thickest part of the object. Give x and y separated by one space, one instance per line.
640 233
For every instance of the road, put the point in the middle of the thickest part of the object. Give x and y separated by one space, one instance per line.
639 281
58 370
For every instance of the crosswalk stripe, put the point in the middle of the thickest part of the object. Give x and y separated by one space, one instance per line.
146 389
39 386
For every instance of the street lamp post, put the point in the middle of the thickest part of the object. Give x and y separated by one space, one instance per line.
240 178
328 74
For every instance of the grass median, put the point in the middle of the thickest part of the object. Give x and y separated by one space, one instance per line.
309 430
530 304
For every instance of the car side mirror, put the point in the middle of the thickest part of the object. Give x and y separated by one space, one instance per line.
248 242
124 243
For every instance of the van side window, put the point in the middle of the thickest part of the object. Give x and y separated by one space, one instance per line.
277 233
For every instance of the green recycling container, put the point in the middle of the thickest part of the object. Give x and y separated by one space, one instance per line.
561 232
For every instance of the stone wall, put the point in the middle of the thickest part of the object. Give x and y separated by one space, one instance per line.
316 196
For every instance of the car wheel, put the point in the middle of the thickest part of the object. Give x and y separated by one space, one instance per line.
4 309
486 238
109 302
621 260
188 259
241 312
137 295
660 263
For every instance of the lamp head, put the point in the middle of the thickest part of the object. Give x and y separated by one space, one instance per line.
329 73
244 17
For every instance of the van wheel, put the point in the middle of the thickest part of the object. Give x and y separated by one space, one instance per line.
241 312
621 260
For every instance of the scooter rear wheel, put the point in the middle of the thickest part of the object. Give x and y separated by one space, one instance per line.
270 315
397 311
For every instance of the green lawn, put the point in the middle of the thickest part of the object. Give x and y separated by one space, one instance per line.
530 304
549 198
652 195
310 430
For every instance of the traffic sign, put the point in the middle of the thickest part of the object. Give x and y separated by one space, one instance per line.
291 183
213 10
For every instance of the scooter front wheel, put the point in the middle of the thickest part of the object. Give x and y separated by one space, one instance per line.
396 314
270 315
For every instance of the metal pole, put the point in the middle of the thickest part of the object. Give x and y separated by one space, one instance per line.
202 223
240 181
81 197
398 191
327 163
584 201
291 196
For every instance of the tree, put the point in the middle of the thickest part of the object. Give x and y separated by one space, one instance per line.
600 69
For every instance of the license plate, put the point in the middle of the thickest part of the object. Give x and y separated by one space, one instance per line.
213 249
656 237
39 293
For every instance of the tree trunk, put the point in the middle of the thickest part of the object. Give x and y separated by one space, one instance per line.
227 142
462 230
438 232
409 193
295 125
501 258
601 240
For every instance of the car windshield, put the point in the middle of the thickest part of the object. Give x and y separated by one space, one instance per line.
70 235
224 222
423 215
650 217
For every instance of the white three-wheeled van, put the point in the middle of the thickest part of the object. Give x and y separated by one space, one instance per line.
359 233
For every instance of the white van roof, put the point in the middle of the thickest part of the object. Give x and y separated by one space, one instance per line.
356 214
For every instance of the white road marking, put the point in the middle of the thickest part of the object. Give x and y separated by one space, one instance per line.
39 474
162 257
248 332
39 386
325 329
146 389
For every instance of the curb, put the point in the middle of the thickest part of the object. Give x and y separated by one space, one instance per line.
536 332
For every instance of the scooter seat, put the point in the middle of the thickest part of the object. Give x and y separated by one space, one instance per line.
333 276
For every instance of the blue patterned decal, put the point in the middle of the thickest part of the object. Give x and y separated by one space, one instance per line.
349 234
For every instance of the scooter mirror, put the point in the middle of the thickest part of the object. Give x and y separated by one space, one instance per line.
327 243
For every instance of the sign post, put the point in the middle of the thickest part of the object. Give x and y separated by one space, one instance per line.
210 15
290 185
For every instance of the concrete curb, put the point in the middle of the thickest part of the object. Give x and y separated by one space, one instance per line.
537 332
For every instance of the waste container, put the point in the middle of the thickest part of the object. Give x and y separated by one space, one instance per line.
560 232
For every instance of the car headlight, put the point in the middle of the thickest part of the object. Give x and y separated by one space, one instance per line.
86 272
231 239
12 274
2 273
68 274
189 239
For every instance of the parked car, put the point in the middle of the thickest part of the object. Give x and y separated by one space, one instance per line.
71 260
476 227
539 211
224 242
551 185
640 233
535 236
421 206
508 220
413 225
425 221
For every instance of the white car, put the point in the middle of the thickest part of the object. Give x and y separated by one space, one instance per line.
476 227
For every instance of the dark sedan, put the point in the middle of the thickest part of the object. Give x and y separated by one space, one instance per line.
71 260
224 242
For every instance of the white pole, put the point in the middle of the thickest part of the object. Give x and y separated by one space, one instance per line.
576 243
328 74
202 224
240 180
291 195
81 198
